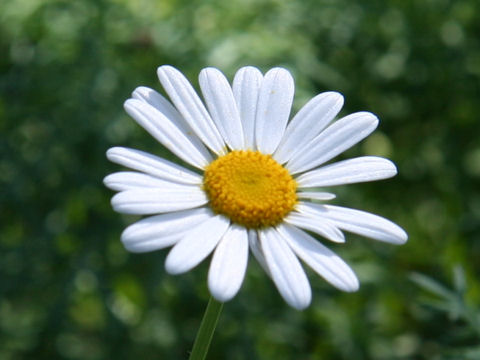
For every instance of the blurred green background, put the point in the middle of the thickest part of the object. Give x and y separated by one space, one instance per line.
69 290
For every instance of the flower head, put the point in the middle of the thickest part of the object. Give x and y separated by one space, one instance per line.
257 181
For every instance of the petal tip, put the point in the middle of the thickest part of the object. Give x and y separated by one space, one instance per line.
130 104
172 267
403 237
353 287
392 167
117 203
278 69
209 69
300 304
131 248
249 68
373 118
107 180
110 153
398 236
352 284
336 96
166 71
222 296
141 92
165 67
284 74
364 116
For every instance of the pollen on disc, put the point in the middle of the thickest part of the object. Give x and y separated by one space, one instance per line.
250 188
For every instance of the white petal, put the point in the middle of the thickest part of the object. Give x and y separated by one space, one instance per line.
256 249
358 222
229 263
156 100
319 225
361 169
223 109
153 165
161 231
323 261
197 244
334 140
168 134
131 180
315 195
307 123
273 109
191 107
246 86
286 271
151 201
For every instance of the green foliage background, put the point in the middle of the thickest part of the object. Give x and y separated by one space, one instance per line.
68 289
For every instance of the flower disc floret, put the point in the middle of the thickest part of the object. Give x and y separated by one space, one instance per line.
250 188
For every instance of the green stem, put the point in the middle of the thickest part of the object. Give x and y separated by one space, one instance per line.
206 330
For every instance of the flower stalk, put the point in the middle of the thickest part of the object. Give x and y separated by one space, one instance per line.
206 330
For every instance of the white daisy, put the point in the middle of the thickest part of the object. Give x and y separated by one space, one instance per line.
257 183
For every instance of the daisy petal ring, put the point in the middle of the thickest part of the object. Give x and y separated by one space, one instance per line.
255 180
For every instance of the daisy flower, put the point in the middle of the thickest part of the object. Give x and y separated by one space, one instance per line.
256 184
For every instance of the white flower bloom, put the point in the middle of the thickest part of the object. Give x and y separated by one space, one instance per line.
257 184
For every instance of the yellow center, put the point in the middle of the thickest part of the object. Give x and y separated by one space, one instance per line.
251 188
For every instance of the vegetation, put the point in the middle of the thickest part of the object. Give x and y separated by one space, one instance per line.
69 290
